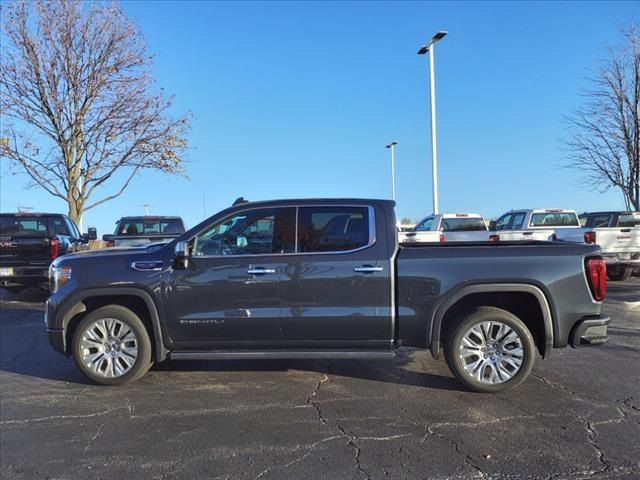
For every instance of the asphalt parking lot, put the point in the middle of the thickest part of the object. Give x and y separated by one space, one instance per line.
578 416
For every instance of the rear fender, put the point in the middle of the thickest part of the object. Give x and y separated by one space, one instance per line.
459 294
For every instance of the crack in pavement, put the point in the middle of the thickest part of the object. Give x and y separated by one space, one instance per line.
92 439
467 458
297 459
23 354
66 417
352 443
309 401
627 402
591 436
557 385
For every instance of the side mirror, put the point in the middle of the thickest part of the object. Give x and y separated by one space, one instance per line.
92 233
492 225
182 254
107 237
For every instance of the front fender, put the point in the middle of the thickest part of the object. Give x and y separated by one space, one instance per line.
74 304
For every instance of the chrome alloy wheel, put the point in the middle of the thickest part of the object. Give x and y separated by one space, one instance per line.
109 347
491 352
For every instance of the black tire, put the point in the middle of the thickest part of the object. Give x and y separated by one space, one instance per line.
454 342
619 274
143 361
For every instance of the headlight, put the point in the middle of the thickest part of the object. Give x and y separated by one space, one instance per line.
58 276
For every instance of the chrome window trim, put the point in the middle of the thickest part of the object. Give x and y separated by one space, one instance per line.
371 243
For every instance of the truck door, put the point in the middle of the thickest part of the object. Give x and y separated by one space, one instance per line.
228 294
336 291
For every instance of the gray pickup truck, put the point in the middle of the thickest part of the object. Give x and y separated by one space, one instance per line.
322 278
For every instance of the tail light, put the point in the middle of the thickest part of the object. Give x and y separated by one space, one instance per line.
597 278
590 237
442 239
54 249
494 238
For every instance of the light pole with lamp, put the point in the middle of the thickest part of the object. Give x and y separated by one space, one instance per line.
429 47
393 170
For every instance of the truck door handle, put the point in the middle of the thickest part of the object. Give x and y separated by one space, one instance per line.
527 233
367 269
260 271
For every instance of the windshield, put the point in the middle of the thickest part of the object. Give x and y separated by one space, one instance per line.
144 226
554 219
463 224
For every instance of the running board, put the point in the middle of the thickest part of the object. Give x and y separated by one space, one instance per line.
281 355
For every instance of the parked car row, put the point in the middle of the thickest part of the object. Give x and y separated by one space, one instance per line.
617 233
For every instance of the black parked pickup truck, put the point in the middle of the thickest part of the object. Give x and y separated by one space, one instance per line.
29 242
324 279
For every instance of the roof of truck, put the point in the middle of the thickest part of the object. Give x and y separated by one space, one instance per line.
151 217
314 201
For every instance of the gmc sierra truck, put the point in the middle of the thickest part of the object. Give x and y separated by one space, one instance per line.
29 242
312 279
618 235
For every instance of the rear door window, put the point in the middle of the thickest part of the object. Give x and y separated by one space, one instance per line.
332 229
518 220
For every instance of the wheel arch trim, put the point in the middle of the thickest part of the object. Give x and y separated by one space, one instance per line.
75 304
459 294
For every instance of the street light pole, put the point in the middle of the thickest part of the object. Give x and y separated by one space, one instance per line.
429 47
393 170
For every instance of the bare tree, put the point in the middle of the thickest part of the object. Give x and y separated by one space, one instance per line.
78 102
604 133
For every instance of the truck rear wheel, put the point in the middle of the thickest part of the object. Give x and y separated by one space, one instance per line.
111 346
490 350
617 273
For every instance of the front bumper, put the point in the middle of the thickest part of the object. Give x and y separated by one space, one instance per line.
589 331
57 340
28 276
56 336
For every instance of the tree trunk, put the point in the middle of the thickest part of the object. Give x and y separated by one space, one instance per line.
75 212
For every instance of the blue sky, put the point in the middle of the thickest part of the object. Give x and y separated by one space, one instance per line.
299 99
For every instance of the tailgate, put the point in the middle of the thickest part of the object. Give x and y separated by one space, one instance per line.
518 235
22 250
618 240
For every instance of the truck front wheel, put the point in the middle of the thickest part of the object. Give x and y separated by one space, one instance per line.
111 346
490 350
